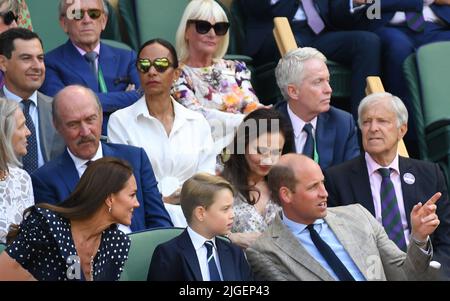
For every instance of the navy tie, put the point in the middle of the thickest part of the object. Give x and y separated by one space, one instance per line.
91 57
333 261
213 271
390 213
308 149
30 160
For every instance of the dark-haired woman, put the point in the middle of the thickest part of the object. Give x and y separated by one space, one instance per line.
257 146
177 140
79 239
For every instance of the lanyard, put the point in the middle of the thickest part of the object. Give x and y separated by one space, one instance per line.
101 81
316 154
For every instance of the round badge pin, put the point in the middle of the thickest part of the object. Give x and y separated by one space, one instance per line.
409 178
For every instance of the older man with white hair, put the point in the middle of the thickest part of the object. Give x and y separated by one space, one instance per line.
386 184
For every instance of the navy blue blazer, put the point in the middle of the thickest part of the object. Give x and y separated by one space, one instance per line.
348 183
336 136
65 66
55 180
259 16
176 260
390 7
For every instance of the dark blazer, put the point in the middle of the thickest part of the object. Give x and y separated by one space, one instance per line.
50 142
176 260
348 183
53 183
336 136
259 16
65 66
390 7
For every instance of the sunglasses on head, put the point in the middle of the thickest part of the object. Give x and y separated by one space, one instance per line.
160 64
78 14
203 27
8 17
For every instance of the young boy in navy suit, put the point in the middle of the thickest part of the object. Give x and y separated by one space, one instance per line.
198 254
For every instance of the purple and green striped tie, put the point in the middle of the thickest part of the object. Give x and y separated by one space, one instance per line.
415 21
390 213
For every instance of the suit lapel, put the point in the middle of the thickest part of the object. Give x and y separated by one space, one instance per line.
188 251
408 190
67 171
325 137
360 184
109 63
76 62
47 131
289 244
226 260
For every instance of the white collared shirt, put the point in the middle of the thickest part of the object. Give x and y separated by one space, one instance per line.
96 50
427 12
375 186
34 113
299 14
200 249
299 134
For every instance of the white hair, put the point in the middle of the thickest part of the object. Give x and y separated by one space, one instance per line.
63 4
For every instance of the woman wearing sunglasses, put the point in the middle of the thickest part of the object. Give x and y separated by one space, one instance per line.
177 140
219 89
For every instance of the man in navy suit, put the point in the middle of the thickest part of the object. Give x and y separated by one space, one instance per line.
383 122
318 24
77 117
111 74
303 78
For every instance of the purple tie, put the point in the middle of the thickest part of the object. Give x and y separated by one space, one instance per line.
415 21
314 20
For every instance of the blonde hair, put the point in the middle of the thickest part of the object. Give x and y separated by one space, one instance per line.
12 5
201 10
200 191
8 125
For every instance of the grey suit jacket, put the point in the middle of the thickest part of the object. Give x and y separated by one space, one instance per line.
277 254
51 143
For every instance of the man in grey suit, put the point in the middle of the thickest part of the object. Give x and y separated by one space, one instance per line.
22 62
308 242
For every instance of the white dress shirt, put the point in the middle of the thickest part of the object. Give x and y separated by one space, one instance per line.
200 249
299 14
34 113
375 186
299 134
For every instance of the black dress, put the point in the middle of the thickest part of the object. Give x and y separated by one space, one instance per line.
45 248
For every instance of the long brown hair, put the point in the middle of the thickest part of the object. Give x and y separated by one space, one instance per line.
101 179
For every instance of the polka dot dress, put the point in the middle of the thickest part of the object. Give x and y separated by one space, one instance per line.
45 248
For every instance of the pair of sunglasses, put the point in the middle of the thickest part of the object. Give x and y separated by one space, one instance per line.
9 17
203 27
78 14
160 64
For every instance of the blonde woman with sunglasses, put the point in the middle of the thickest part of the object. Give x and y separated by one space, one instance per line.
177 140
219 89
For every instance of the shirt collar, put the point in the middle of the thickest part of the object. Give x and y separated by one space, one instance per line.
298 123
298 228
12 96
180 112
198 240
373 166
80 162
82 52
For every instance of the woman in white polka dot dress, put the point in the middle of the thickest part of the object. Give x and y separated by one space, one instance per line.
79 239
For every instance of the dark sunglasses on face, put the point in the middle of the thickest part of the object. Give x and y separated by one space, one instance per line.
8 17
78 14
203 27
160 64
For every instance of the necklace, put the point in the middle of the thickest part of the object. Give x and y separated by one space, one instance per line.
3 175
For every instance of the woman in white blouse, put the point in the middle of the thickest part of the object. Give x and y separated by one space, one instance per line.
177 140
16 192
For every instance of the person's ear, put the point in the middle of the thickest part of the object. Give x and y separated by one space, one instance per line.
176 75
402 131
104 20
3 63
199 213
292 91
285 195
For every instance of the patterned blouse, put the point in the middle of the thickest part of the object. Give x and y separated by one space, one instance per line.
24 15
248 219
224 86
16 195
45 248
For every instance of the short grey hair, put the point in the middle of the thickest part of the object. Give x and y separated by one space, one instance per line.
8 125
397 105
64 3
57 98
290 68
201 10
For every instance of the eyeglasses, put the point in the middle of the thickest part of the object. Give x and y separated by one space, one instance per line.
160 64
8 17
203 27
78 14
